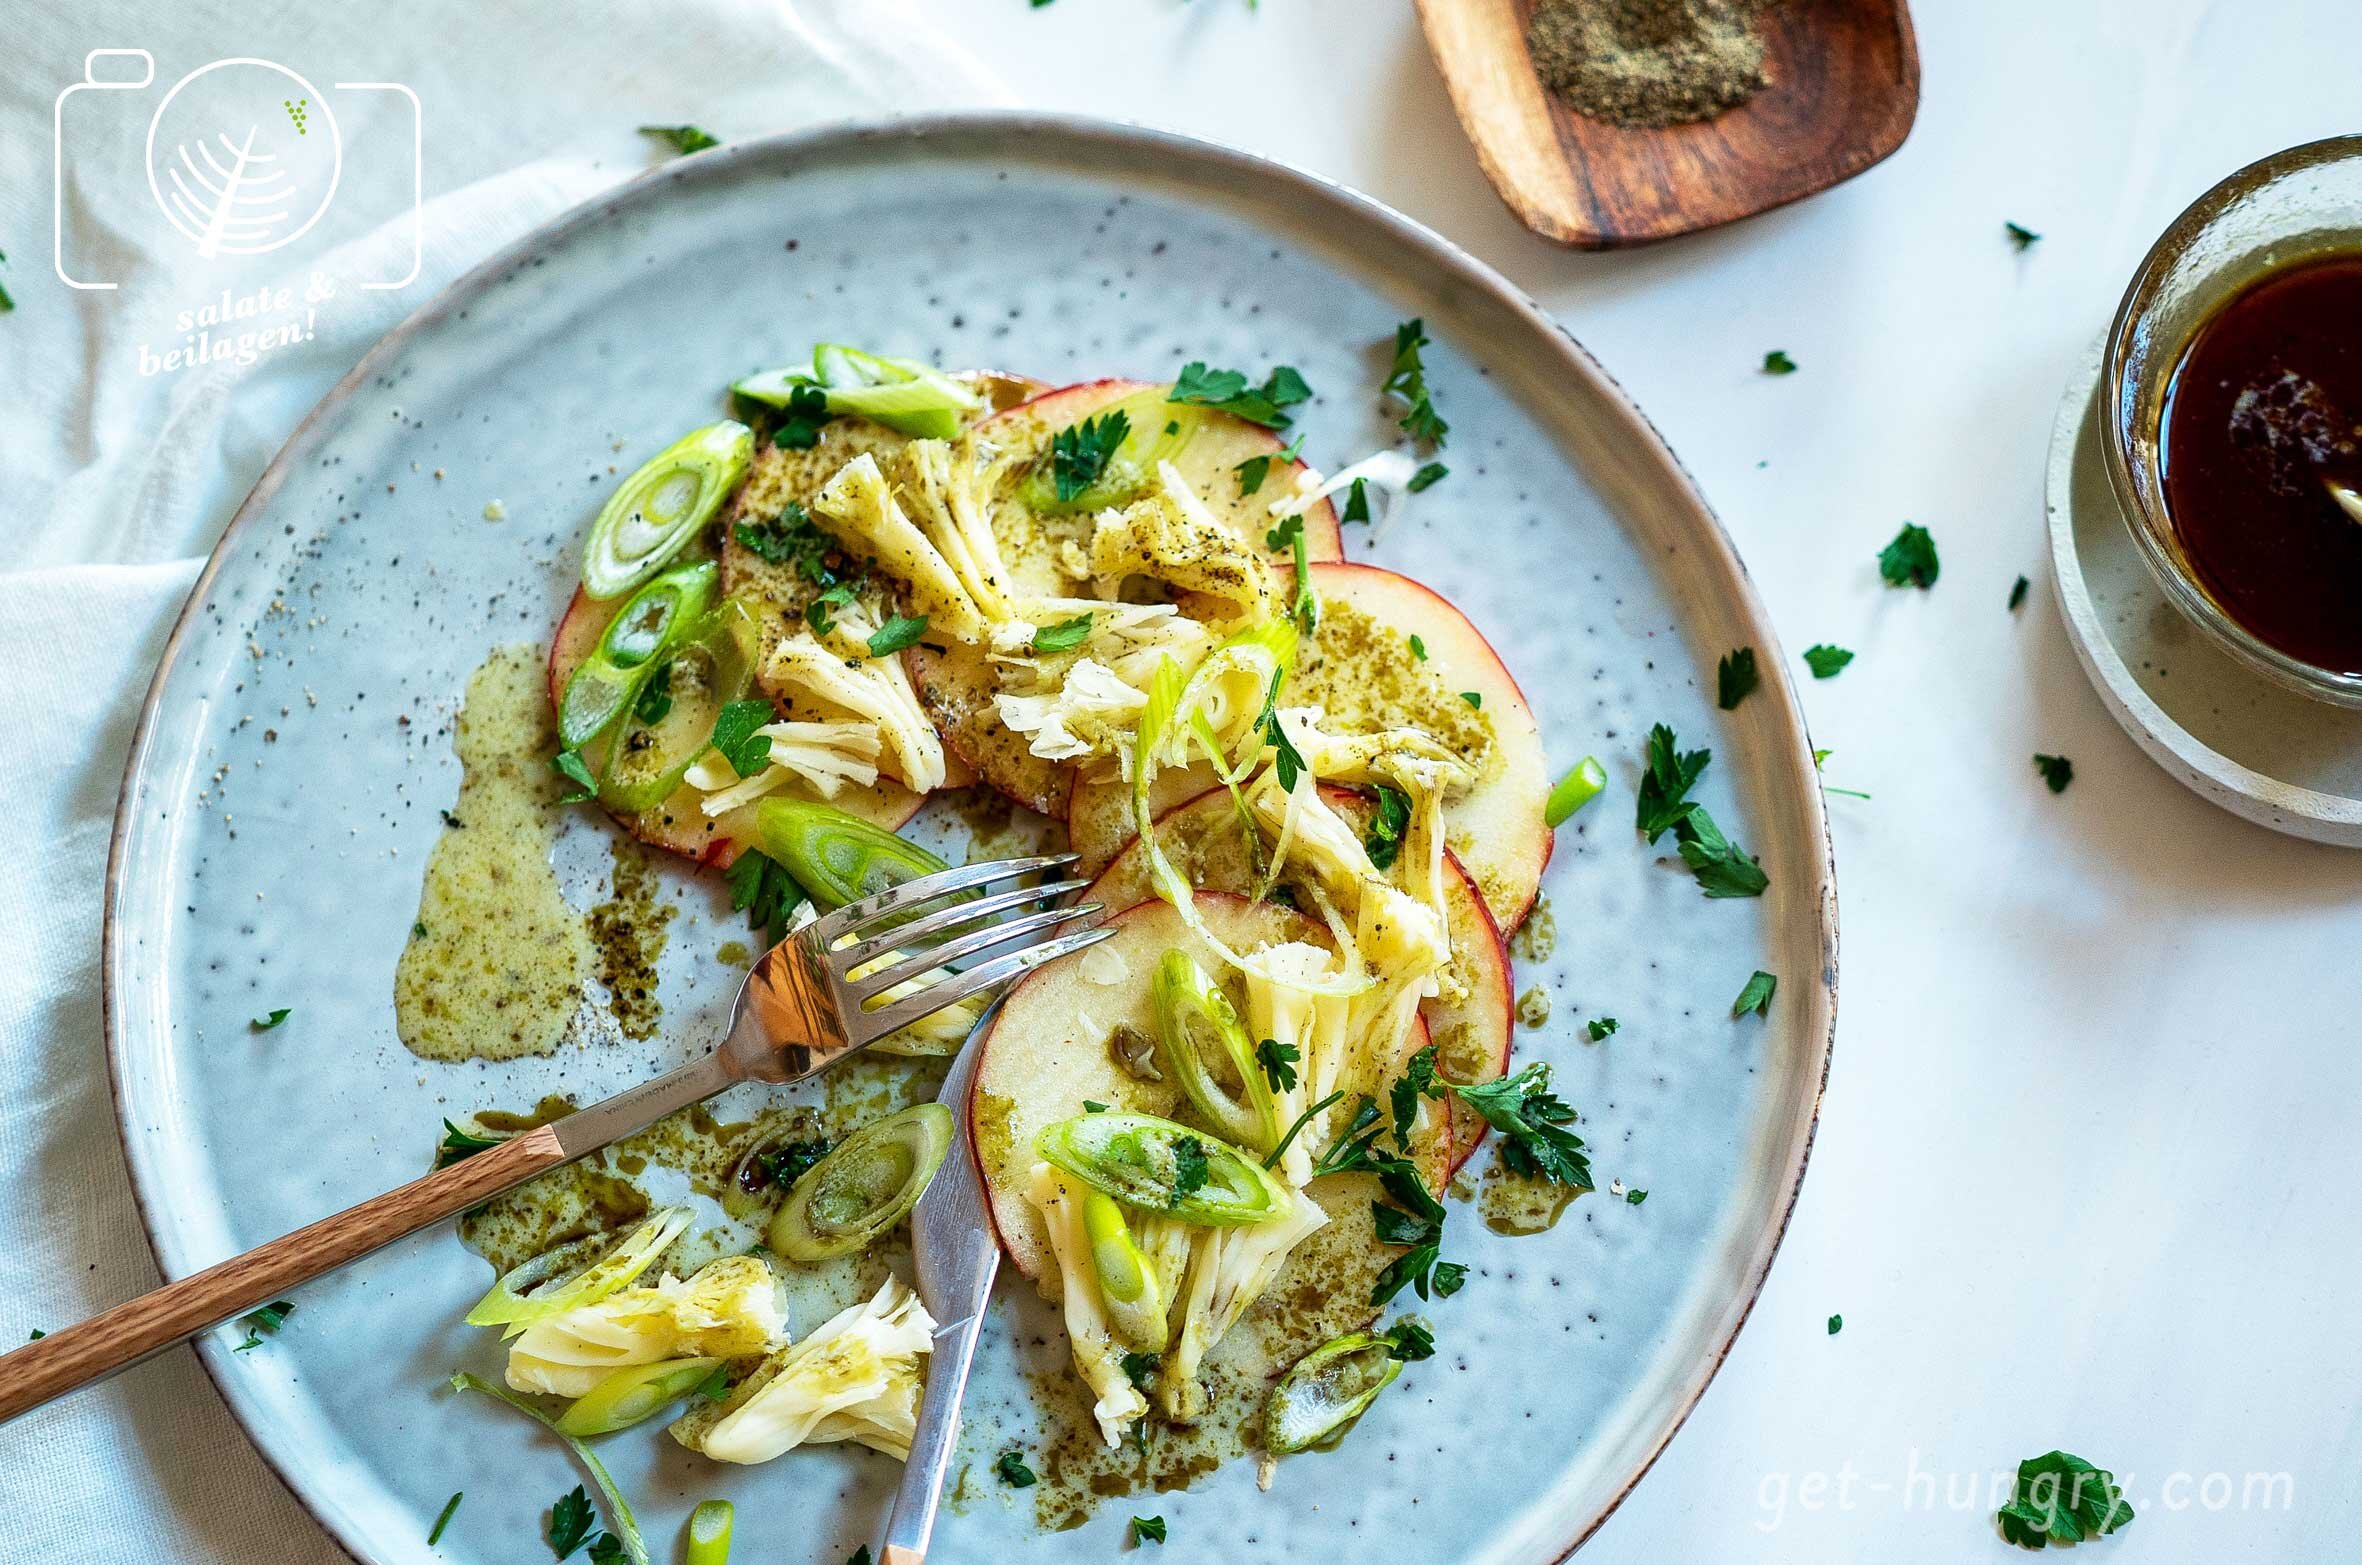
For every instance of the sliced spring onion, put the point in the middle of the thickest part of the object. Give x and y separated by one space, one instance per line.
868 1184
1200 1040
1317 1401
604 686
1576 789
619 1511
902 394
660 507
519 1299
1127 1282
709 1533
633 1393
1159 1166
837 858
1157 432
712 667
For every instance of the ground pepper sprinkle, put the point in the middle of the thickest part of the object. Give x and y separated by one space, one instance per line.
1649 62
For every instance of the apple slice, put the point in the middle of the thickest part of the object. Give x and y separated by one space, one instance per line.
1047 1054
1204 840
678 823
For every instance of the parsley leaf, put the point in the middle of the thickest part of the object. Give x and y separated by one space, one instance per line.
1735 678
656 696
1635 1197
570 1522
1418 1080
903 630
1255 469
1388 825
606 1549
458 1144
2017 594
1910 561
450 1506
570 765
1228 391
1665 783
761 888
1777 362
1190 1170
1079 453
1428 477
1410 1340
1419 648
2021 237
2060 1498
1013 1471
1601 1027
790 538
816 612
1408 380
782 1165
1279 1063
859 1556
263 1323
2056 770
1756 996
1064 636
1825 660
1093 1106
1836 1324
1137 1367
682 138
266 1023
1723 868
1474 698
747 751
1357 502
797 426
1524 1109
1285 759
1148 1529
1356 1150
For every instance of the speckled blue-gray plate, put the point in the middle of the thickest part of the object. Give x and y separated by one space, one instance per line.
283 795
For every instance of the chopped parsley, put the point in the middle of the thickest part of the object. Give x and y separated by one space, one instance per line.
1357 502
1735 678
37 1335
790 538
1079 453
1013 1471
1635 1197
781 1166
1137 1367
2017 594
1410 1340
570 1522
1601 1027
1419 648
570 765
1289 535
1417 1226
1388 825
1408 380
1279 1063
1755 996
266 1023
716 1386
2060 1498
1836 1324
1285 760
1524 1109
816 612
1825 661
1190 1170
1093 1106
2056 770
797 426
1909 561
903 630
1255 469
450 1507
1064 636
747 751
859 1556
2021 238
1418 1080
761 888
6 303
263 1323
656 696
1228 391
1852 793
683 138
1722 867
1474 698
1665 781
1428 477
1777 362
1148 1529
458 1144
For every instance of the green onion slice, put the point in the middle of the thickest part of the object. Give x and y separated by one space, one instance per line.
519 1299
1317 1401
632 1393
848 1199
837 858
619 1511
1576 789
714 666
1127 1283
1159 1166
709 1533
660 507
1201 1041
602 689
902 394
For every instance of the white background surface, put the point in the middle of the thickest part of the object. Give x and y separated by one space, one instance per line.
2086 1167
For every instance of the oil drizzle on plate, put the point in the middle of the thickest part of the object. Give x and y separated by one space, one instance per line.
497 961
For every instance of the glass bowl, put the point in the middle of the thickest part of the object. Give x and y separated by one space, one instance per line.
2289 207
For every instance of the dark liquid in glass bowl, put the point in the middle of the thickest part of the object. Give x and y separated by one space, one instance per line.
2265 405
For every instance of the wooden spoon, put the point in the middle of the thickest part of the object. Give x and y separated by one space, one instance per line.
1844 89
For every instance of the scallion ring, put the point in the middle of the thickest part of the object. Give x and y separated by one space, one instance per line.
520 1297
660 507
837 858
851 1197
1201 1042
635 1392
1318 1400
709 1533
1576 789
1159 1166
604 685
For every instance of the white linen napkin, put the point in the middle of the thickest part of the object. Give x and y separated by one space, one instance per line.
116 475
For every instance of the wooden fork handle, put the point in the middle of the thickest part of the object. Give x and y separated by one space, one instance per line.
67 1360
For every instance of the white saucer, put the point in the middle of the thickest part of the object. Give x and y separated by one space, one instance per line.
2230 735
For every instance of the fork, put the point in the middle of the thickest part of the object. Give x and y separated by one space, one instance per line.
815 998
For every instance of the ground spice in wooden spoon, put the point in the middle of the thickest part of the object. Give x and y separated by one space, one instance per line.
1649 62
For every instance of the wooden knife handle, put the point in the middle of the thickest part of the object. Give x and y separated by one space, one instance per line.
75 1357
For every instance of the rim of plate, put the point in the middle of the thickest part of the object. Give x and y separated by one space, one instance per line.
1175 153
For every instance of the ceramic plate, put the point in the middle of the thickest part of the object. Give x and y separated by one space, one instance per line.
283 794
